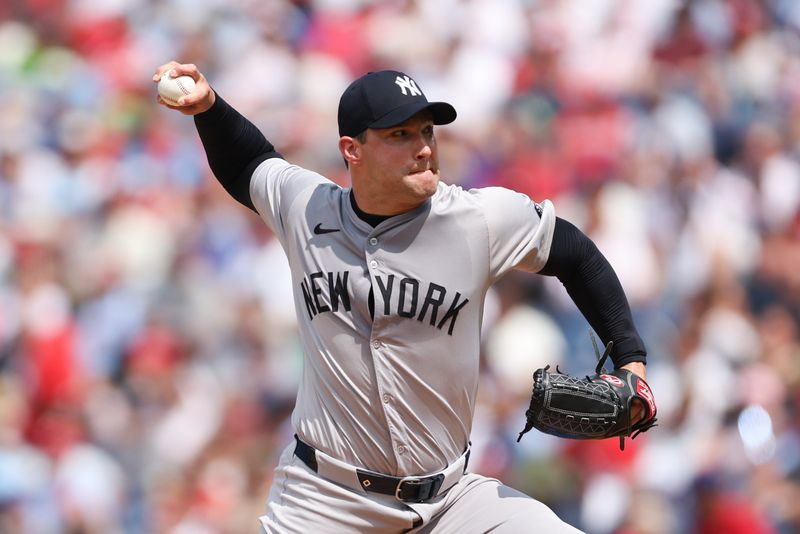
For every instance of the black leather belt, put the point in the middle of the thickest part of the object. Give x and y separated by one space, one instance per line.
406 489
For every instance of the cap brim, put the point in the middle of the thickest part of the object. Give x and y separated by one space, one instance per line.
443 113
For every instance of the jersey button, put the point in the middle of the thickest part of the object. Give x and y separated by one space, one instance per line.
401 449
373 264
373 241
386 398
376 344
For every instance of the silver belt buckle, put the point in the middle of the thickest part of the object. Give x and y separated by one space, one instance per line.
400 486
433 483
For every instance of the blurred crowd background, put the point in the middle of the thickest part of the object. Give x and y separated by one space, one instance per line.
148 349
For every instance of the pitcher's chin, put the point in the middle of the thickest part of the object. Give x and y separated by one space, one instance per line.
424 182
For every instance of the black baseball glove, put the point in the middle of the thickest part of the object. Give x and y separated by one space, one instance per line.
592 407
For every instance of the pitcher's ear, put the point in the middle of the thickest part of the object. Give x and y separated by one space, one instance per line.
350 149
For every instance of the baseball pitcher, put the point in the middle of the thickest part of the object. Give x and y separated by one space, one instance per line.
389 279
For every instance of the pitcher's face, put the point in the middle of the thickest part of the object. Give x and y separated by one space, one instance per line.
402 163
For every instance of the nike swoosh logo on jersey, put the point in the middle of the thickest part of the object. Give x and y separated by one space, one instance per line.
319 230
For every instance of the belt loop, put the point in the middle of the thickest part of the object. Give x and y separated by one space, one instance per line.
306 453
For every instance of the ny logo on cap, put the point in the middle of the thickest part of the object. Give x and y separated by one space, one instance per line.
407 83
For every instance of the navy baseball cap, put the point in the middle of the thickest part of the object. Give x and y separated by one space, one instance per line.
383 99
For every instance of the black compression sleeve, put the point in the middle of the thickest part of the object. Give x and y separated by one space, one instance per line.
594 287
234 148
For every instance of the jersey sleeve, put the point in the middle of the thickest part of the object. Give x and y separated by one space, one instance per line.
520 231
274 186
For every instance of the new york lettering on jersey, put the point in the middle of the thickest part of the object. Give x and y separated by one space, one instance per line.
404 297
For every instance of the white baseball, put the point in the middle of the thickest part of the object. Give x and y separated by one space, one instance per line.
171 89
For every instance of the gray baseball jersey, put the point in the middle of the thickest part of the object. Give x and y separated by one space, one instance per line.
392 389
